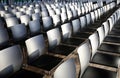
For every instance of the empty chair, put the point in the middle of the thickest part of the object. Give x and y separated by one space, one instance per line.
87 71
74 12
79 12
58 11
67 33
92 16
51 12
19 14
36 16
47 23
96 15
88 18
69 14
101 34
11 67
76 26
56 20
37 57
25 19
19 32
94 40
44 14
29 12
78 32
63 17
35 27
83 10
37 10
11 21
106 27
83 22
54 40
36 50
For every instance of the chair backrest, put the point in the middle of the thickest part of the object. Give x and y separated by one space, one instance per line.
8 15
4 37
11 21
66 70
76 26
96 15
36 16
29 12
84 53
63 9
64 17
56 20
79 11
92 16
57 11
88 18
83 22
25 19
74 12
44 13
35 47
106 27
47 23
37 10
19 32
94 40
51 12
101 34
19 14
110 23
66 30
54 37
69 14
10 60
35 27
83 10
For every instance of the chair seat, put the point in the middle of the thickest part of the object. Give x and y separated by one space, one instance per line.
92 72
26 74
82 35
46 62
89 30
112 39
73 41
63 50
109 48
105 59
115 33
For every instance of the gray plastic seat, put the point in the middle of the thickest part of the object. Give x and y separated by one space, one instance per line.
11 62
